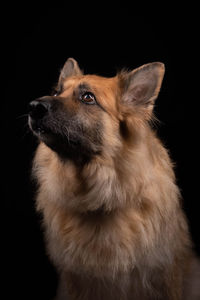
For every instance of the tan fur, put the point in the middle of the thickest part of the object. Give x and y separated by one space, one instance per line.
139 247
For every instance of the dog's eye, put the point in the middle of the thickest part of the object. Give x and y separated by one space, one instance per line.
88 98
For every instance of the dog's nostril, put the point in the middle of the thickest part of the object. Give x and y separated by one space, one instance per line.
38 109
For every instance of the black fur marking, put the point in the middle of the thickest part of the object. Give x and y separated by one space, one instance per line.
124 130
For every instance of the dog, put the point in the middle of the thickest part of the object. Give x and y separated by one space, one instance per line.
112 215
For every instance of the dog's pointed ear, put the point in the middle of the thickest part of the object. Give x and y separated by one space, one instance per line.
70 68
141 86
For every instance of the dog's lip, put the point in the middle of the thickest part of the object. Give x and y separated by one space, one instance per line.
36 127
39 130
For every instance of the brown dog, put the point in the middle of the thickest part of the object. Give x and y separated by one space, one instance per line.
112 216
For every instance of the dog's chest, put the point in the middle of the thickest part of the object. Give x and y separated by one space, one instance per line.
100 245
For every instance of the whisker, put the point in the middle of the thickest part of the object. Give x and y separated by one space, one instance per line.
26 130
66 133
22 116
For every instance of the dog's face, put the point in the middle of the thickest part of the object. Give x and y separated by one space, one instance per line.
89 113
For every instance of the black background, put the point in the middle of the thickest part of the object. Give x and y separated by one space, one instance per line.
39 38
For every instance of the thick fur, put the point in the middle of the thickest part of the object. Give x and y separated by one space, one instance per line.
113 222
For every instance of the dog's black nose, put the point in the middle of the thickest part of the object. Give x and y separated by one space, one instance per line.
39 108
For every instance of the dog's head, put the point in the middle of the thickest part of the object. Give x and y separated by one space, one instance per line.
91 115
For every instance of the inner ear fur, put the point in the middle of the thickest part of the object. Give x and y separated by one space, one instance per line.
70 68
141 86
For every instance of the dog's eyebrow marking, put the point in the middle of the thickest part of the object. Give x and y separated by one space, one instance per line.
85 87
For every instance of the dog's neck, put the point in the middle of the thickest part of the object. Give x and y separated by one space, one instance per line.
101 186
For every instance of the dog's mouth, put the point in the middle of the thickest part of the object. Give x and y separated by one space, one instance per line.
38 128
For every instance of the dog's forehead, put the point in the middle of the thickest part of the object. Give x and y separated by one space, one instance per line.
93 81
105 89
